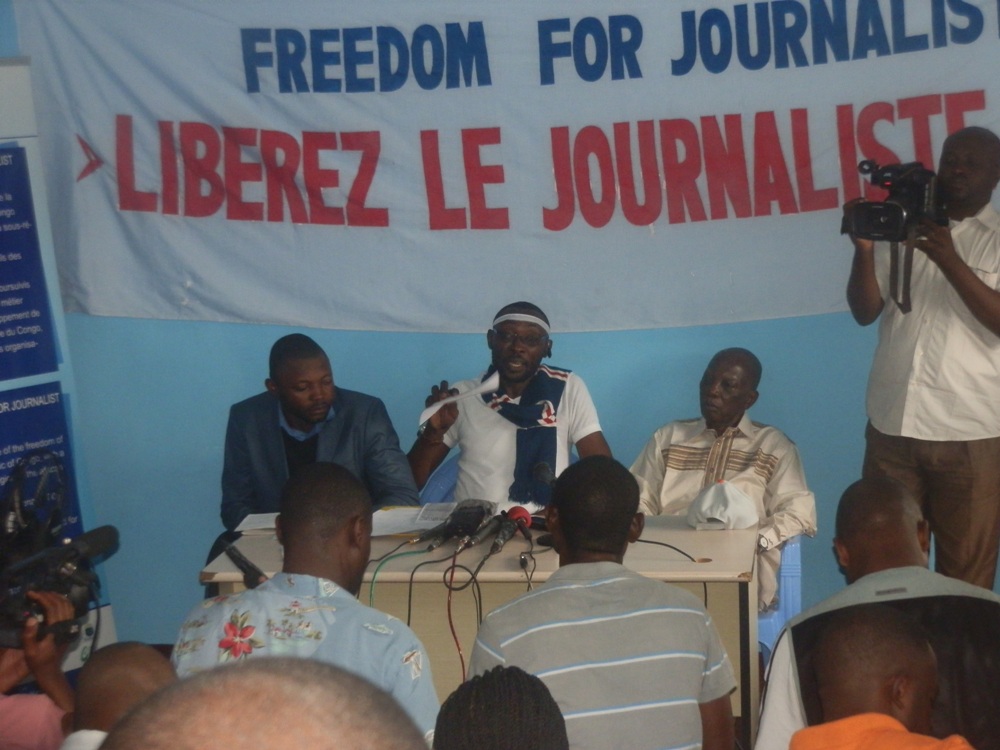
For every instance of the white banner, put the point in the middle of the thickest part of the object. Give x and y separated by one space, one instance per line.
413 166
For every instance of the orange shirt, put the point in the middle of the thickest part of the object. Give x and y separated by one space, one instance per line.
870 732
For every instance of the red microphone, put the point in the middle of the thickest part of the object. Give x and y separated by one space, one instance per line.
520 515
513 519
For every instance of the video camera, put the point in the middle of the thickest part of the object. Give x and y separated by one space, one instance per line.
62 569
912 196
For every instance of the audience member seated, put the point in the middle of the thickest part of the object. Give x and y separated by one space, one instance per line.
113 680
302 418
268 704
881 544
501 709
632 662
515 441
876 674
34 722
684 457
310 609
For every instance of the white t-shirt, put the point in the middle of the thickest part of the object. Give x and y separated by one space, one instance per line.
936 372
488 442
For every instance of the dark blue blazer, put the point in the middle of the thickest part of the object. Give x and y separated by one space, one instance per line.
360 437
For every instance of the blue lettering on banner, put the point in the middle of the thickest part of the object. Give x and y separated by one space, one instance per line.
783 33
618 44
366 59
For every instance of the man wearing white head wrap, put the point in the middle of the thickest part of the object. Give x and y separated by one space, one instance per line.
515 441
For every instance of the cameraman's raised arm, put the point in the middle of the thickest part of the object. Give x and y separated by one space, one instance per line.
44 657
863 294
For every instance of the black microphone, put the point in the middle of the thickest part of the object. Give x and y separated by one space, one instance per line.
487 529
508 528
463 521
520 515
95 543
87 546
252 575
430 533
543 473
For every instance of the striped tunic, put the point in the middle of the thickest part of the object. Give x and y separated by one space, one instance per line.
628 659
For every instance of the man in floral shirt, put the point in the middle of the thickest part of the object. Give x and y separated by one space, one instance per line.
310 609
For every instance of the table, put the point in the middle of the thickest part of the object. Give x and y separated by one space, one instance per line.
722 572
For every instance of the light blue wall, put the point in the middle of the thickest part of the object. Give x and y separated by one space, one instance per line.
152 401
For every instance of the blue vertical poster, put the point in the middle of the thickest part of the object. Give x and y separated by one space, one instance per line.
36 463
41 503
27 341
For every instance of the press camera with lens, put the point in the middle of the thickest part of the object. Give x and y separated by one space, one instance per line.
912 196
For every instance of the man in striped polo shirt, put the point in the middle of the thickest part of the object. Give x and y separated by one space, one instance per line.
632 662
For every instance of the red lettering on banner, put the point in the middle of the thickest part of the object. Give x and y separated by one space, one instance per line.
129 198
592 142
168 168
680 171
771 179
868 118
203 168
920 109
237 172
201 151
726 166
847 150
281 157
957 104
711 155
645 213
317 178
370 146
560 217
439 216
810 199
478 175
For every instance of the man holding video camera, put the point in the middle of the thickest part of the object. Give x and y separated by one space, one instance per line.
934 390
34 722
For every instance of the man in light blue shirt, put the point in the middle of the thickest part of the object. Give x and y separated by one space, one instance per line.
310 610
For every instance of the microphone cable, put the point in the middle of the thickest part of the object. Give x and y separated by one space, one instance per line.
413 572
451 619
524 558
382 561
704 584
390 552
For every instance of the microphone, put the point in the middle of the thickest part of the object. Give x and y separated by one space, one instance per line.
520 515
252 575
463 521
543 473
487 529
430 533
95 543
87 546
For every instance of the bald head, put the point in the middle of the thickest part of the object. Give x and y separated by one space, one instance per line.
744 358
873 658
879 526
272 704
116 678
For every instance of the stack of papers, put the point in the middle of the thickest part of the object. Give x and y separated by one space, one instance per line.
257 523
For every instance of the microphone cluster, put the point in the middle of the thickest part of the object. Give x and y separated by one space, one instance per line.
471 524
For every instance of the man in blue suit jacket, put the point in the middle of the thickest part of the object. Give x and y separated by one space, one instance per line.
303 418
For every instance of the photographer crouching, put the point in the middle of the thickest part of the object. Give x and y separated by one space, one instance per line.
934 390
34 722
